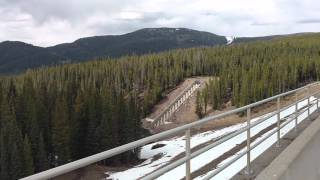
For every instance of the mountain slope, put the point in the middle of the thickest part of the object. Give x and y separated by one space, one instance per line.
143 41
252 39
17 57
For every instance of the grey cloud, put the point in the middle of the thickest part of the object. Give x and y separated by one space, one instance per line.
14 20
265 23
71 10
309 21
121 26
47 22
210 14
152 17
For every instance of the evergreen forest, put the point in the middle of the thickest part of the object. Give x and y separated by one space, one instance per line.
54 115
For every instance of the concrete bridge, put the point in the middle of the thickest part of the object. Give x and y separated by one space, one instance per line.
174 105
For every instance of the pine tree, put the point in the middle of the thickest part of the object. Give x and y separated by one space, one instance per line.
199 108
11 140
42 162
205 97
15 162
79 124
27 158
4 166
60 132
94 118
244 91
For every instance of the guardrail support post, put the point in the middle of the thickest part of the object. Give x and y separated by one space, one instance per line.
296 112
278 122
308 103
164 118
188 167
317 101
248 170
158 123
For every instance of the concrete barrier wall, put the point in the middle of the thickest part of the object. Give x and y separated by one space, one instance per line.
300 160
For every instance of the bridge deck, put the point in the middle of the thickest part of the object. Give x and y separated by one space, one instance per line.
266 160
300 160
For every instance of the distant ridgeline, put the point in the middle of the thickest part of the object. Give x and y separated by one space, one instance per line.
51 116
16 57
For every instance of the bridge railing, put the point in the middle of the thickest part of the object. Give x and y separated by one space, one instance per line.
60 170
175 104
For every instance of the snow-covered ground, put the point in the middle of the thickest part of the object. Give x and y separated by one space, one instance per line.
176 145
241 163
230 39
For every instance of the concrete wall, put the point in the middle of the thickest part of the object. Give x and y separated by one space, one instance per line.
300 160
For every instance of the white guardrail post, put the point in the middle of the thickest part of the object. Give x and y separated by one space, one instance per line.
308 91
317 101
248 170
188 150
278 122
296 111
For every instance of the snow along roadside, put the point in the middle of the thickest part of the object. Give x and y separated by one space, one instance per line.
241 163
176 145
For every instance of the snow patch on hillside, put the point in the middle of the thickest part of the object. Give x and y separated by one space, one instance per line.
172 148
230 39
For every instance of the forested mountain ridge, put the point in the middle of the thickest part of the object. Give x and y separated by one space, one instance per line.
148 40
238 40
17 57
51 116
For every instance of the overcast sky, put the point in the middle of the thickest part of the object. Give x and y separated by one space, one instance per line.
49 22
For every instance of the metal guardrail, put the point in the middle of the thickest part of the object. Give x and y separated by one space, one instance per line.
187 128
